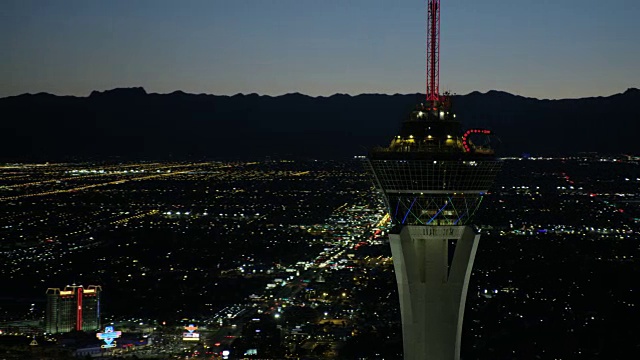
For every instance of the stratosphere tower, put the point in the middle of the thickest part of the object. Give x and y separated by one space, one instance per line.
433 176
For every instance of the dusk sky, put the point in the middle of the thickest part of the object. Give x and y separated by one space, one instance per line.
536 48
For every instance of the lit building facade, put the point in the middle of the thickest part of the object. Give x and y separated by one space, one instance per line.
73 308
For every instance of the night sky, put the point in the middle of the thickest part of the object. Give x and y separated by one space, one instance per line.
537 48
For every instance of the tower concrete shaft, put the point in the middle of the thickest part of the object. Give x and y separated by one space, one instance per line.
432 288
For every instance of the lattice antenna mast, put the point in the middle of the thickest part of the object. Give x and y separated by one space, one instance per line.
433 53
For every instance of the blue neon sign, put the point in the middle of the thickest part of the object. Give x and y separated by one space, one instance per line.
108 336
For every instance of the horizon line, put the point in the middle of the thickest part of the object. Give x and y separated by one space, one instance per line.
137 88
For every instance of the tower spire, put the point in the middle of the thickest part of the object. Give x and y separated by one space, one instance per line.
433 53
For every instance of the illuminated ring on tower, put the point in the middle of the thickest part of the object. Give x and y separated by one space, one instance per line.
465 137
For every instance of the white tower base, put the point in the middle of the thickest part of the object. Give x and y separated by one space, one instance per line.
432 293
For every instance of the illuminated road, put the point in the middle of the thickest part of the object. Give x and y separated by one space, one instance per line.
86 187
90 175
138 216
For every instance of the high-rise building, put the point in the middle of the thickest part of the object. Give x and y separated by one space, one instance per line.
433 177
73 308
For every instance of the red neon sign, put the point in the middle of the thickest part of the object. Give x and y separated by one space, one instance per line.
465 141
79 322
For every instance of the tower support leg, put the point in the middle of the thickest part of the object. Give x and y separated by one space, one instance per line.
432 289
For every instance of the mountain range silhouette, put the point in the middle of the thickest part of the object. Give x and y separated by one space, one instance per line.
131 124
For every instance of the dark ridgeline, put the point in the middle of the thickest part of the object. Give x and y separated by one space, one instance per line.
132 124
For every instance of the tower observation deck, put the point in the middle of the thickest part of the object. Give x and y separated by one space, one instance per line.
433 176
433 173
